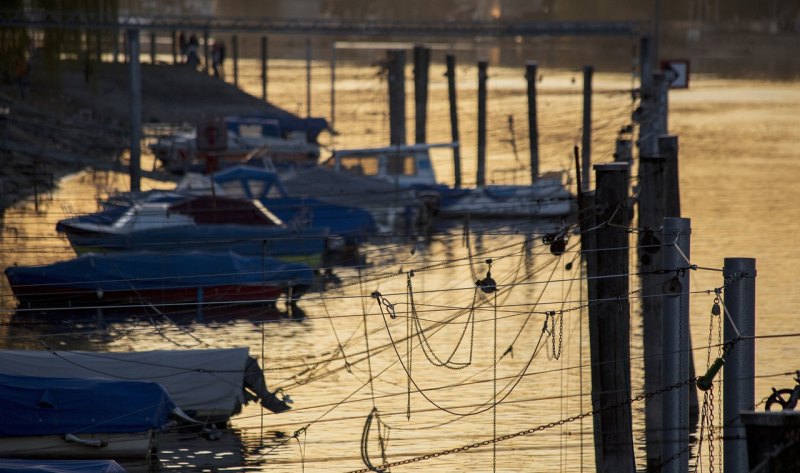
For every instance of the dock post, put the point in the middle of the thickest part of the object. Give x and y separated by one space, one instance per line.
397 96
646 143
676 353
609 322
533 127
738 390
205 50
623 151
235 48
115 35
450 60
480 175
586 142
152 48
174 47
264 46
668 147
333 85
135 109
422 59
650 256
661 99
308 77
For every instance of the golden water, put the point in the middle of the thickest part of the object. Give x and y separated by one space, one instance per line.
739 173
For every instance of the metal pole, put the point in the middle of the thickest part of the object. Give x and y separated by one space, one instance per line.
235 47
308 77
533 128
675 323
174 48
661 92
333 84
647 137
421 68
264 45
205 50
450 59
134 69
397 96
586 149
480 176
152 48
738 392
668 148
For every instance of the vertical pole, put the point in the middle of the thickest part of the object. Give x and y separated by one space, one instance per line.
135 109
397 96
623 151
450 60
661 96
308 77
174 47
235 47
421 68
668 147
609 322
264 45
586 145
333 84
115 35
651 216
676 353
480 177
739 372
205 50
152 48
533 128
656 29
647 138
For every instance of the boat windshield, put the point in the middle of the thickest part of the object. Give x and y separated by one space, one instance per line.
401 165
361 165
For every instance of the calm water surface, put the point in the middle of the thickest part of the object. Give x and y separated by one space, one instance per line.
739 172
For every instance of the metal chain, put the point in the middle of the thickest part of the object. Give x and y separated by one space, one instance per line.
532 430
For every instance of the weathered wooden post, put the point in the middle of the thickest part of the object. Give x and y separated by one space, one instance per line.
647 137
264 45
650 256
586 144
174 47
738 391
333 85
235 47
676 352
308 77
533 127
661 100
623 151
135 75
205 50
450 60
422 59
152 48
609 322
480 176
397 96
668 147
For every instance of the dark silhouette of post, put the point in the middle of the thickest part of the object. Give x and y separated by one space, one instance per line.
135 74
308 77
480 175
333 85
205 50
668 147
609 321
235 48
397 96
623 151
152 48
422 59
450 60
174 47
586 142
264 46
533 127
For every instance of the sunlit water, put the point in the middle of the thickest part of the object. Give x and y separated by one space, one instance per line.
739 172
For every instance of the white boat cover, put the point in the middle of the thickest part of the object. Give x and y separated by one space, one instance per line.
203 383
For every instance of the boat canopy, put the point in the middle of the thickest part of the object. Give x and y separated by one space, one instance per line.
58 406
9 465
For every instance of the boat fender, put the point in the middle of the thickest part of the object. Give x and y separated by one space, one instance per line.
487 284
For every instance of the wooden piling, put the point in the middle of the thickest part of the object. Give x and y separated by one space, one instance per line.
174 47
668 147
586 142
264 45
421 71
152 48
533 127
333 85
205 50
647 141
308 77
135 75
480 175
623 151
609 322
235 48
450 60
397 96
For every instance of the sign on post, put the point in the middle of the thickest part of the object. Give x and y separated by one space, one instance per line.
676 72
212 134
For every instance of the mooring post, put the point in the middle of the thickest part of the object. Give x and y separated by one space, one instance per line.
174 47
668 148
450 60
661 96
738 387
152 48
533 127
422 59
205 50
623 151
397 96
235 48
480 175
586 142
609 321
676 353
647 137
264 45
135 110
333 85
115 35
650 254
308 77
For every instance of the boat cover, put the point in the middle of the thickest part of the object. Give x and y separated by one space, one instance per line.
58 406
199 381
59 466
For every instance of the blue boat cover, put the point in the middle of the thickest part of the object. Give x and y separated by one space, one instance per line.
59 466
58 406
